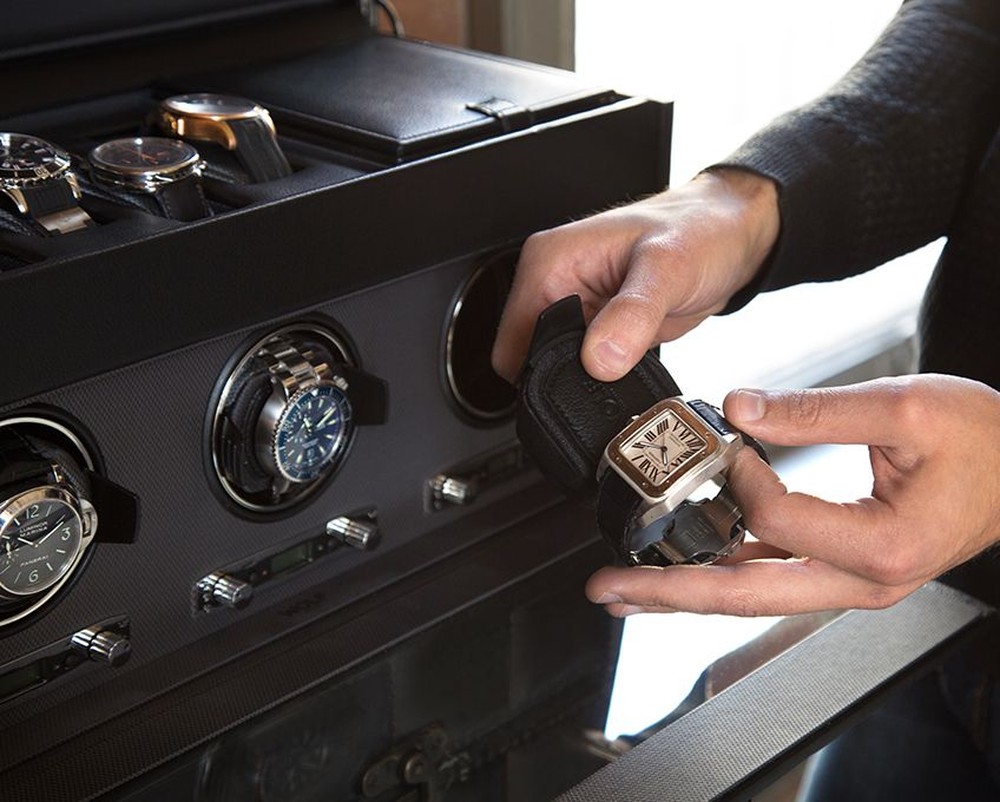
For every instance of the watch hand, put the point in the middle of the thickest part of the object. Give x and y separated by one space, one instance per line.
55 526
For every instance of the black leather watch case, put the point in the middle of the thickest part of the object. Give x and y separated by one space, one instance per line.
565 417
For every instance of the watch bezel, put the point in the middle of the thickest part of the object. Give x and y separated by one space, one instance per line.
148 179
9 510
198 104
50 168
662 499
274 423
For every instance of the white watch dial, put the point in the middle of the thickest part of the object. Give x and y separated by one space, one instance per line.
662 448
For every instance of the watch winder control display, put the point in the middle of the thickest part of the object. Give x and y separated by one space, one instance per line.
477 391
287 414
233 586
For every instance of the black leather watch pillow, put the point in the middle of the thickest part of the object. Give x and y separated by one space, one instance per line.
565 417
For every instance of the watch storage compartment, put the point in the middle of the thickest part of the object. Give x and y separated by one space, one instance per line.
250 472
473 387
375 236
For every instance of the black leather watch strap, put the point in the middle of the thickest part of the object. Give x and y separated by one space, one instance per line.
182 200
258 151
565 418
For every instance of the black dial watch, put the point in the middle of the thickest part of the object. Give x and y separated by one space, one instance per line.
37 178
161 175
241 126
46 525
655 462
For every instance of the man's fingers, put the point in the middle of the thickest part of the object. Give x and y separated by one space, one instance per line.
524 304
865 537
759 587
876 413
633 319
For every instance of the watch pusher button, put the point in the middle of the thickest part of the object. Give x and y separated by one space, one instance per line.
102 646
454 490
219 590
357 533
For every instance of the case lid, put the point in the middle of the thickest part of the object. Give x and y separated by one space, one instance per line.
59 25
397 99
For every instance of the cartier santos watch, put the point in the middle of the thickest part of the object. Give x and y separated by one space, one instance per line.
662 496
241 126
159 174
654 461
46 524
37 178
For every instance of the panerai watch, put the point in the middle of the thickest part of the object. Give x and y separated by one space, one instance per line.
36 177
46 524
655 462
159 174
241 126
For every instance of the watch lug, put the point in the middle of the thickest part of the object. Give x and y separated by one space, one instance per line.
89 515
74 184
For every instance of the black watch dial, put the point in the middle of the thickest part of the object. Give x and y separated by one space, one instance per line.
28 159
144 156
312 432
41 534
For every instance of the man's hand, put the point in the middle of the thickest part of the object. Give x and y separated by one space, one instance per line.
934 443
646 272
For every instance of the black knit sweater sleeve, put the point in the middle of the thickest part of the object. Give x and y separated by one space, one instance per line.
877 166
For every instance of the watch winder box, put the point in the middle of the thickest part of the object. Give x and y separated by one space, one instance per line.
323 566
291 385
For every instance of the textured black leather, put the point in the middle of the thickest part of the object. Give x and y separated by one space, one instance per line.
258 151
565 418
400 98
183 200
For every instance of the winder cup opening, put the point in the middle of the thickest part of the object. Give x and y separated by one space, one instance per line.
477 391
